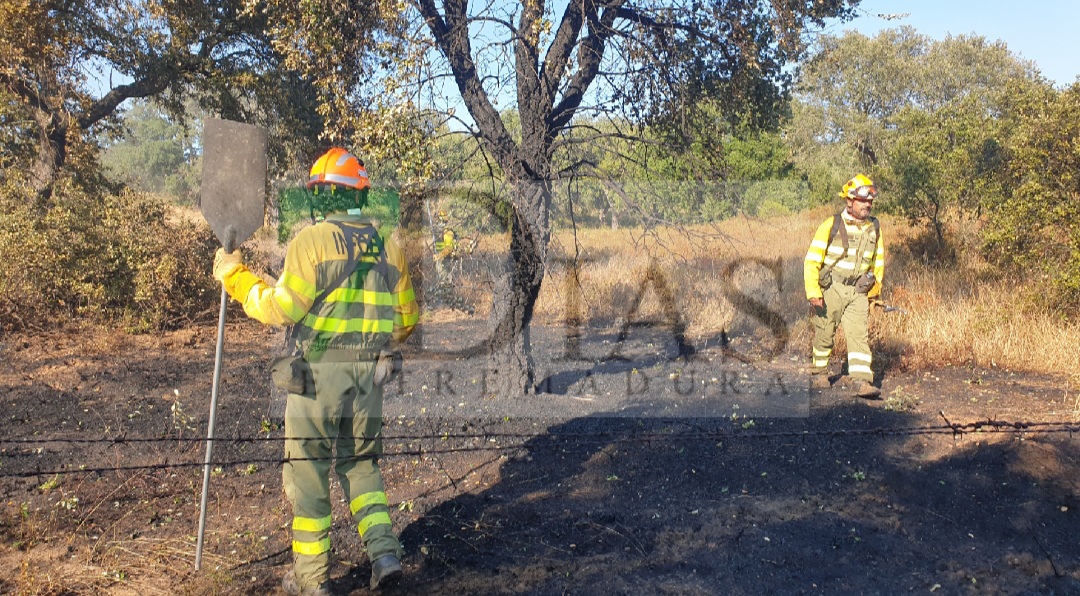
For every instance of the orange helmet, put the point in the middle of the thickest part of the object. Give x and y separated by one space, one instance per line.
338 167
859 187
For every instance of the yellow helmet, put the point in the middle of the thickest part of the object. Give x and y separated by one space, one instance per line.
859 187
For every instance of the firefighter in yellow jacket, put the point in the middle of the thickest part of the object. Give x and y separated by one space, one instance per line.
842 275
347 294
446 245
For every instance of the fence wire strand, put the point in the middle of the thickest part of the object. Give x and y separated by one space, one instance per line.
525 441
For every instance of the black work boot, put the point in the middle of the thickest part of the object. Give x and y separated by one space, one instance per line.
385 571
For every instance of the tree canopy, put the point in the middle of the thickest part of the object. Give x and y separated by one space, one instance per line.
66 67
155 153
915 113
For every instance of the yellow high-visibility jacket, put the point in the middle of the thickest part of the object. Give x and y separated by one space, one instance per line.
445 247
822 253
375 305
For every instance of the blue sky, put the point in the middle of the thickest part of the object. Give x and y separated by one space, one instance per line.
1043 31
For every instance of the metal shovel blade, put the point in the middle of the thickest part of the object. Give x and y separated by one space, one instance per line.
233 178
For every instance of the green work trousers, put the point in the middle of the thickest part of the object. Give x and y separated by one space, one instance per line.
320 430
843 306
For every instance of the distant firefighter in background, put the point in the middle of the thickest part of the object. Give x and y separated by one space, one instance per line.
842 275
446 243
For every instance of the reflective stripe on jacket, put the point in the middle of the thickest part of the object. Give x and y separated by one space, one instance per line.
822 253
364 312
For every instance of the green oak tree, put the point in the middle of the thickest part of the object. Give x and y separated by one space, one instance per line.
67 67
156 153
1033 226
863 101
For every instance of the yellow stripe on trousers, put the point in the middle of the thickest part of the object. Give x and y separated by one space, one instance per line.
375 519
372 498
311 548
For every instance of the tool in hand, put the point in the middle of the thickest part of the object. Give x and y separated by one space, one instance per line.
232 201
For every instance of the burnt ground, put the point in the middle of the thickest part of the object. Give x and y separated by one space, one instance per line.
592 487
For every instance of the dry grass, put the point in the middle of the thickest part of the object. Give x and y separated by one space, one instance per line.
957 315
954 318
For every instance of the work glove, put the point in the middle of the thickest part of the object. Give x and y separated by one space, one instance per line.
387 366
226 262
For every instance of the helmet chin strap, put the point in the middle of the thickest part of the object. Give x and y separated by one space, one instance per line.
311 208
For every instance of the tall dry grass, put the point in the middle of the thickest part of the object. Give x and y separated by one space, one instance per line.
956 315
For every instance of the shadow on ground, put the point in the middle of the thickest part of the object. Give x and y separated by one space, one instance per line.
675 506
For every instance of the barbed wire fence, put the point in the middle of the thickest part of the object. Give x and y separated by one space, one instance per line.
512 442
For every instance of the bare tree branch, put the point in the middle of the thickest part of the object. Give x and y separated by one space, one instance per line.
590 56
452 37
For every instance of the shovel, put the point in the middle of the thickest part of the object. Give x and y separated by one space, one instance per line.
233 187
890 308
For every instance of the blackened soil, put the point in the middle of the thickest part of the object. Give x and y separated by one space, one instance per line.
857 497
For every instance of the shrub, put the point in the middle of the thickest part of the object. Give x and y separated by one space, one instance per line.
101 257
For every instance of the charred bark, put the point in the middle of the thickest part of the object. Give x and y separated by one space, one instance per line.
549 91
50 158
515 294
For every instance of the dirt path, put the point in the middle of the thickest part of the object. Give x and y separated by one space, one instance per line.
565 495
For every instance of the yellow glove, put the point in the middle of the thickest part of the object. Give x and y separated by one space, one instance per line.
226 262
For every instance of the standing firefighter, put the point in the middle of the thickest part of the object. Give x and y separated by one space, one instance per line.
842 274
346 292
446 244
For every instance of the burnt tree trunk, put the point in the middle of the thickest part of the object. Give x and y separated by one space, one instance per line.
551 84
51 155
515 293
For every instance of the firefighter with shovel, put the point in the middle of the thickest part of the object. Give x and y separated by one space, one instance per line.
346 293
